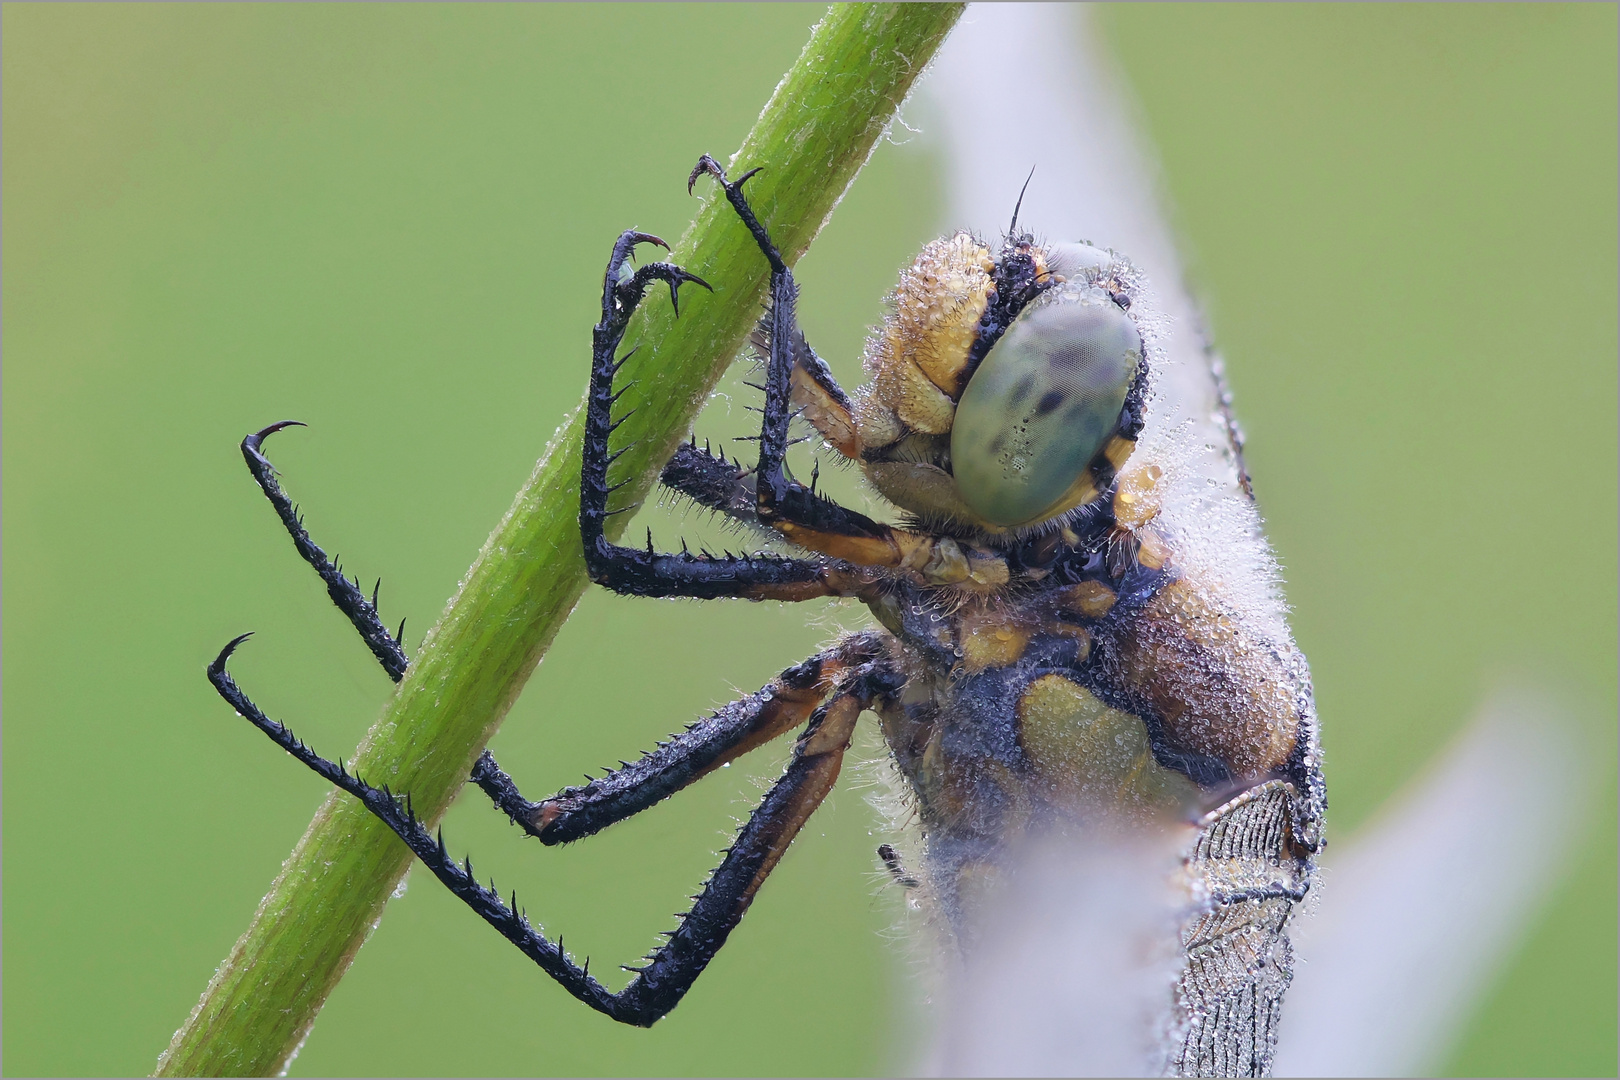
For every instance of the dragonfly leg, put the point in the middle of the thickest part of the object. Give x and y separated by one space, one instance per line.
350 599
795 376
651 573
743 725
671 970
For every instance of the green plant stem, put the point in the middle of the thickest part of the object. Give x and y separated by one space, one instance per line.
819 127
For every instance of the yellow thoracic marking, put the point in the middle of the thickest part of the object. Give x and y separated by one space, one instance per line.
1135 501
1090 599
1152 552
987 644
1090 758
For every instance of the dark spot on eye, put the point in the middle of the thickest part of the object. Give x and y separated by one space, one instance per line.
1049 403
1121 299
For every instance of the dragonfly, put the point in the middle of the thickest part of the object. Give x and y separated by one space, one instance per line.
1071 631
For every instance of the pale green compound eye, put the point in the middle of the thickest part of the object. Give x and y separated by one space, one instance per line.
1076 260
1042 404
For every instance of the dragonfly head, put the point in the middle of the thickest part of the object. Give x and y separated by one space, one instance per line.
1007 387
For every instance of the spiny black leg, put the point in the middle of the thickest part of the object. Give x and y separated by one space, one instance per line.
778 498
771 484
503 791
817 756
647 573
660 984
458 879
805 360
734 195
347 595
734 730
710 480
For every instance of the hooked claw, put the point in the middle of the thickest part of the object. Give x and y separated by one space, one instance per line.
668 273
251 444
218 666
707 164
624 248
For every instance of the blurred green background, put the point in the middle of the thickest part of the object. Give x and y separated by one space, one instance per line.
389 222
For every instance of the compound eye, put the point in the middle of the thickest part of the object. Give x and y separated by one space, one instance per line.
1044 401
1076 260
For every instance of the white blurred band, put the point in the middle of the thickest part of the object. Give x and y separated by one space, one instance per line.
1419 909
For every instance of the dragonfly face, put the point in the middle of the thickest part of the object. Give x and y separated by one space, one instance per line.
1073 633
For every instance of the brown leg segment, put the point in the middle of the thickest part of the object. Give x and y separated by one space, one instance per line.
745 724
799 515
814 392
817 758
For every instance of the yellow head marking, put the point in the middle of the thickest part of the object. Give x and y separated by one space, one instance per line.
1118 451
919 357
